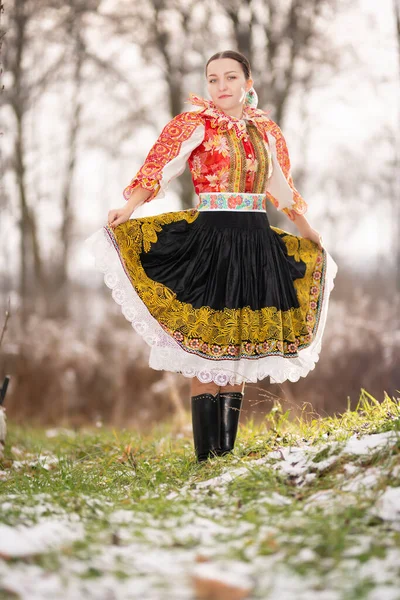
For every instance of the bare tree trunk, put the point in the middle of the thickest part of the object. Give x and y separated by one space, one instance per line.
243 20
67 216
397 22
19 171
20 23
396 199
28 229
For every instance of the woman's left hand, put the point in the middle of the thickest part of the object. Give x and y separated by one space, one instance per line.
314 236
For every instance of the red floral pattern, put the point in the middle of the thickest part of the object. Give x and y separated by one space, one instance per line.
229 159
167 147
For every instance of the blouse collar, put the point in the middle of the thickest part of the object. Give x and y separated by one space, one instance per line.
223 120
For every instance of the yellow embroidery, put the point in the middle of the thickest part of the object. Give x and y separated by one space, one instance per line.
228 332
263 156
293 246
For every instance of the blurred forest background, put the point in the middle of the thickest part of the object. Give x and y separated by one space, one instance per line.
88 86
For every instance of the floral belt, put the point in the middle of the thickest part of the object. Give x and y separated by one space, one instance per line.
231 201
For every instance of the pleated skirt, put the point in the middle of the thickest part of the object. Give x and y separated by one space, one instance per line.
220 295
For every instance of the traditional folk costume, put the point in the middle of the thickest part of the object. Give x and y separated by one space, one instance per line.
217 292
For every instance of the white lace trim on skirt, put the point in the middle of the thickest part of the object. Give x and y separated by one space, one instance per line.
167 355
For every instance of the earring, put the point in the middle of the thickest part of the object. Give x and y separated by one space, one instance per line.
251 98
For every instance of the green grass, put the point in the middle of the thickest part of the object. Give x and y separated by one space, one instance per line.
155 477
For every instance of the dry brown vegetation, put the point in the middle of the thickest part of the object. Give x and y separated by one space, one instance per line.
73 373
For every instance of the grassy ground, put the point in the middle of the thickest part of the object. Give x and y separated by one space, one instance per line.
305 508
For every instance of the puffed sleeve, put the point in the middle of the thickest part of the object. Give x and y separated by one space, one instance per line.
167 158
281 190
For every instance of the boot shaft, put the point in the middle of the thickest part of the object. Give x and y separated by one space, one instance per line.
230 407
206 418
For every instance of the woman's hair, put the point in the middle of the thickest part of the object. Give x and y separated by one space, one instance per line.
236 56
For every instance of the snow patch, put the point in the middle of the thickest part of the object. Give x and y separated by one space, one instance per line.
387 506
366 443
27 541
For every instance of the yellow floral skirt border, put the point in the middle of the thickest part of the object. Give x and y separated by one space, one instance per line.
228 333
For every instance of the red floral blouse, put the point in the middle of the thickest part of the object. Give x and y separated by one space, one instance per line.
224 153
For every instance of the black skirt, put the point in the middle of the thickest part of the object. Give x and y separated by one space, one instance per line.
220 295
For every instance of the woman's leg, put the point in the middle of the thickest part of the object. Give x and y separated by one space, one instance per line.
233 388
197 387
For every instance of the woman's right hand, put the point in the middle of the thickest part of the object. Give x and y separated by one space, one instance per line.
118 216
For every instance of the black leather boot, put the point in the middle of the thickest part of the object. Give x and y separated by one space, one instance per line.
206 421
230 405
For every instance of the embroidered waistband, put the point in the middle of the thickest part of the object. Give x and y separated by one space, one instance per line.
231 201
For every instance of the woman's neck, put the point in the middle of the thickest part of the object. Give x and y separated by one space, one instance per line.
233 112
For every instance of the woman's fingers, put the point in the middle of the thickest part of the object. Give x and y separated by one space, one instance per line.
118 221
112 215
116 217
315 237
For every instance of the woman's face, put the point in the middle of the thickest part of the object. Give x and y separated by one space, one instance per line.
226 83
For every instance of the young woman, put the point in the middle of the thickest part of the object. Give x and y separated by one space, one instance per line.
220 295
